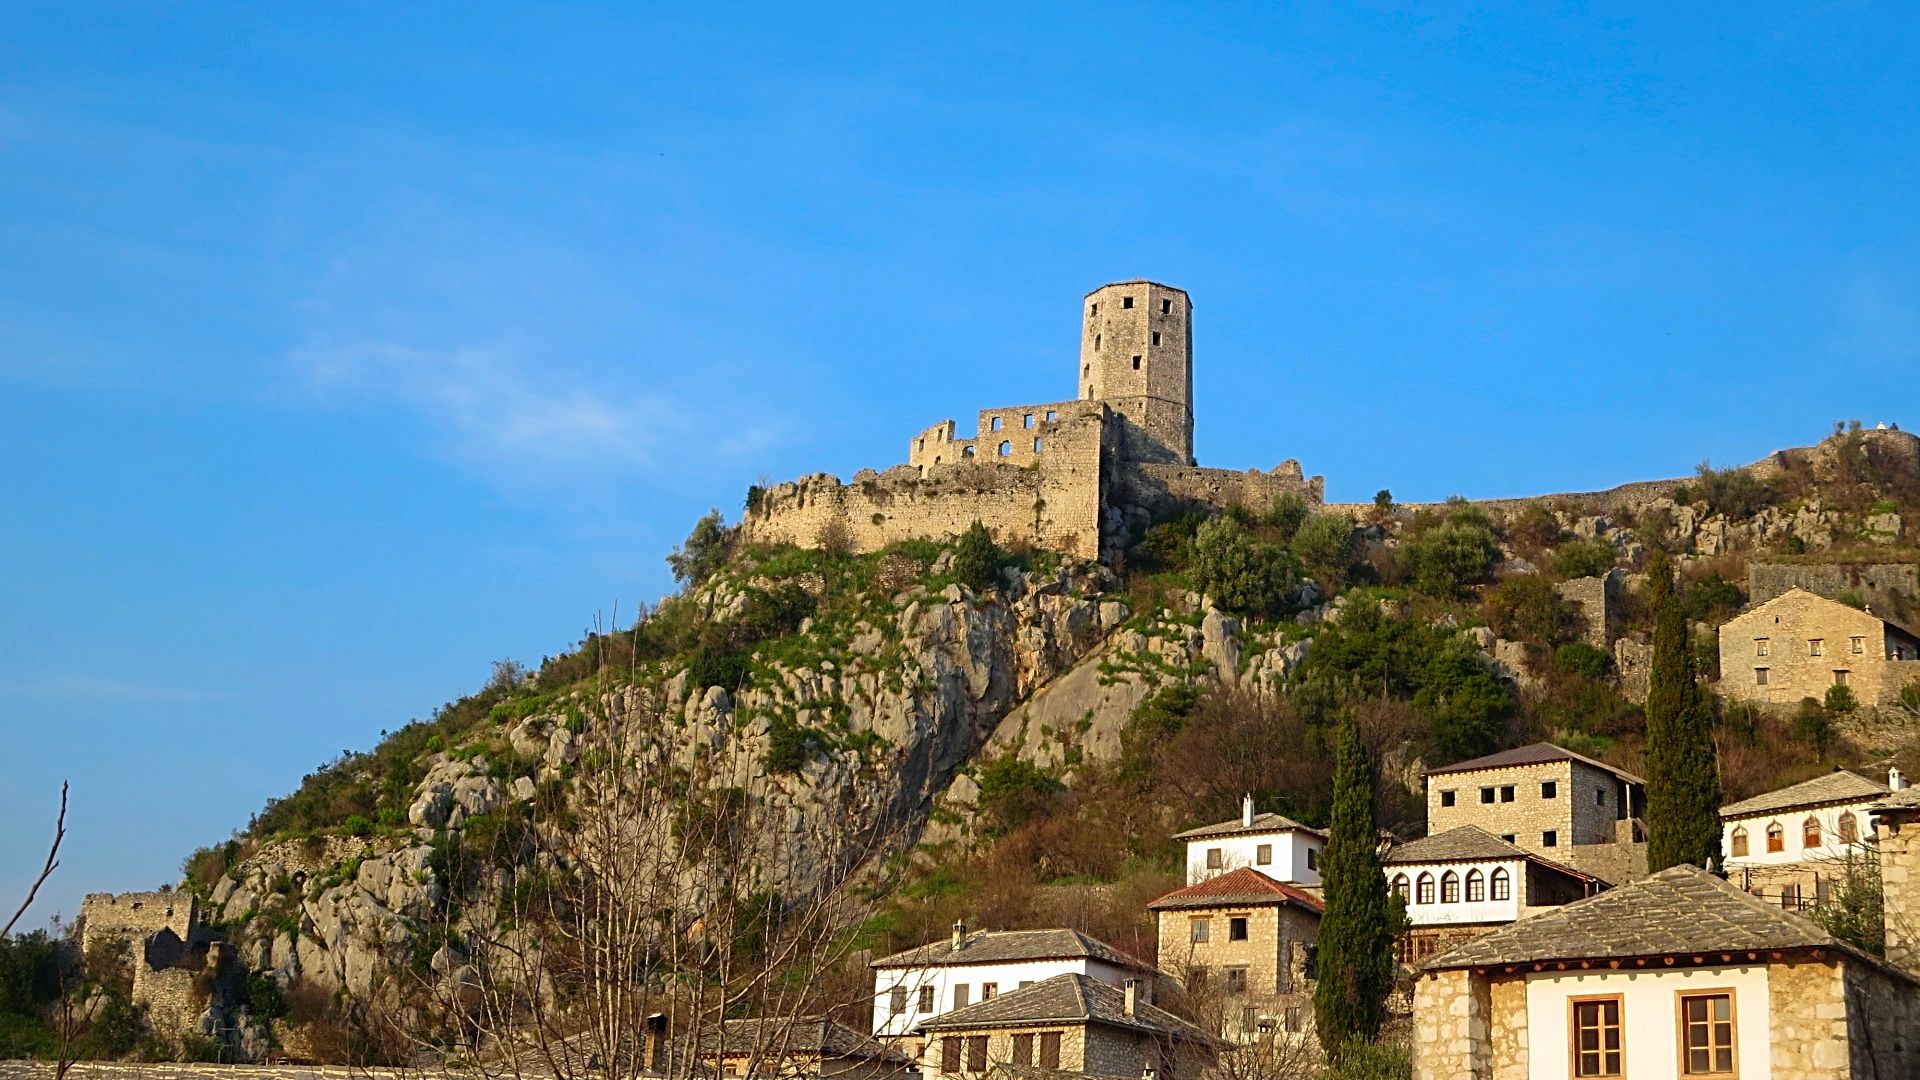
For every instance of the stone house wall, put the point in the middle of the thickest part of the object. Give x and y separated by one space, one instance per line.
1585 806
1883 1022
1453 1027
1274 956
1779 638
1898 838
1093 1049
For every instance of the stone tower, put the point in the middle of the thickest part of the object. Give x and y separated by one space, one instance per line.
1136 356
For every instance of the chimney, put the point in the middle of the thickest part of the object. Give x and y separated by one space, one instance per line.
1133 996
1896 780
1246 811
959 934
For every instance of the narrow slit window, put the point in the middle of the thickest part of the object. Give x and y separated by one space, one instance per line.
1156 337
1136 363
1166 307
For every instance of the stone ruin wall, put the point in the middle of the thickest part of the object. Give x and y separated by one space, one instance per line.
1051 502
139 916
1890 588
1053 424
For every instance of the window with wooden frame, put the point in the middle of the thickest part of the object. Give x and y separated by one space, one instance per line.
1401 887
988 991
1023 1048
1263 855
1597 1036
1423 893
1810 832
1199 930
1450 888
897 1001
976 1053
1776 837
1706 1034
1502 884
926 999
1216 858
950 1053
1476 887
1236 980
1049 1049
1237 928
1739 846
1849 828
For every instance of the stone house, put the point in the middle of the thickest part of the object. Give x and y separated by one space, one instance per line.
807 1046
1800 645
1465 882
919 984
1793 844
1275 845
1070 1023
1677 974
1241 946
1550 801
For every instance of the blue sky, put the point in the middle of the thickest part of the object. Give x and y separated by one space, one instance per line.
344 349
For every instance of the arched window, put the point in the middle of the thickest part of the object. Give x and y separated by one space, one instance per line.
1423 893
994 424
1476 887
966 451
1502 885
1400 887
1740 840
1776 837
1006 449
1450 888
1849 828
1810 832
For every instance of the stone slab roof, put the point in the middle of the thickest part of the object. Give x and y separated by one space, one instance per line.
1262 823
1072 998
801 1036
1678 911
1013 946
1834 787
1469 843
1536 754
1245 887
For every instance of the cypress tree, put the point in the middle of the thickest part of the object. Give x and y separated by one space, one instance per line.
1356 935
1683 773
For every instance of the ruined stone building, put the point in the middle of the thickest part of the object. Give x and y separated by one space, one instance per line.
1800 645
165 943
1077 476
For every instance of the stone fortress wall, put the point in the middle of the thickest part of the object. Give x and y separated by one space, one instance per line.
167 944
1072 476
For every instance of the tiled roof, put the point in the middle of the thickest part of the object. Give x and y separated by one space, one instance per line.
1243 887
1836 786
1536 754
1680 910
1262 823
1468 843
1906 799
801 1036
1072 998
1013 946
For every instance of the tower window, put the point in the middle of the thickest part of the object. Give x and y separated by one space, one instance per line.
1028 420
1006 449
1053 414
1126 301
1096 341
1166 307
1136 363
993 424
1092 310
1036 446
1156 337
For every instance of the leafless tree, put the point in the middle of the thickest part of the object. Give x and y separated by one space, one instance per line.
46 871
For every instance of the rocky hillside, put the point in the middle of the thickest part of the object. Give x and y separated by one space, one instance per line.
918 716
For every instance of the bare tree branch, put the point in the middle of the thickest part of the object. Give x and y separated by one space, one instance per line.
53 863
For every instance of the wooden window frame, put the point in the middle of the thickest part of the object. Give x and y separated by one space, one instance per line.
1199 931
1776 838
1023 1048
1500 884
897 1000
1239 927
1401 886
1813 833
1476 887
1423 888
1050 1048
1680 1027
1738 844
1216 858
926 1002
976 1047
1450 887
951 1056
1263 855
1573 1034
1849 828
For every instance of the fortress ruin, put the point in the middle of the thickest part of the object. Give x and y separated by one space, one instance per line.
1079 476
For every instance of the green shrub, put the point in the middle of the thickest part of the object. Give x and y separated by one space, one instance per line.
976 559
1447 560
1323 544
1813 725
1239 573
1012 790
1736 493
1580 658
1528 608
703 553
1285 516
1840 700
1157 719
719 665
790 745
1586 557
1536 527
1167 545
357 825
